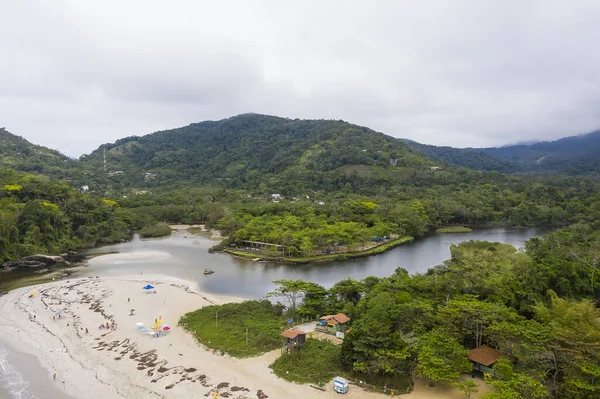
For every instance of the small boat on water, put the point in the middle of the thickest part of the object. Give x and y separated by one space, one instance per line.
208 271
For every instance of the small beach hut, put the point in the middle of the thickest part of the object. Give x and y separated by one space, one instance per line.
294 338
334 324
483 358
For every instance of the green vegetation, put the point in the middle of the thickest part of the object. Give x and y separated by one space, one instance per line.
19 154
577 155
160 230
341 189
326 258
453 229
224 327
316 362
536 306
38 215
340 185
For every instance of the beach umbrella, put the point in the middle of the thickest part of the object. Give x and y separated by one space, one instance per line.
166 328
144 330
148 287
139 324
159 321
151 333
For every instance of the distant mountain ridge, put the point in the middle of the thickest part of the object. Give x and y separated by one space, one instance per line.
572 155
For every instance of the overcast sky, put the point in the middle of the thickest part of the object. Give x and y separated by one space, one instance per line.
76 74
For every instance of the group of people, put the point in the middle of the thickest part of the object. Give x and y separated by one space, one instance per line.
103 326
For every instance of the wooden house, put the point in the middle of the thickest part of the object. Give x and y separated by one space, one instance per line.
334 324
295 338
483 358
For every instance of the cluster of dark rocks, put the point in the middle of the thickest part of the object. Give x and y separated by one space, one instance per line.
35 261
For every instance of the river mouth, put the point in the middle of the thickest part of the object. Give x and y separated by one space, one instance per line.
185 256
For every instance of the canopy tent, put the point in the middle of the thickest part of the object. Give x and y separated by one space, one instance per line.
148 287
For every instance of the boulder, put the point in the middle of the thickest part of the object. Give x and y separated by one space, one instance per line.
46 259
34 261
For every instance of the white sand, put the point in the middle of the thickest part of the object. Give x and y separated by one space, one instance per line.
124 363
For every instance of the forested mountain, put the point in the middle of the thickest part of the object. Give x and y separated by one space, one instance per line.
19 154
575 155
255 152
572 155
465 157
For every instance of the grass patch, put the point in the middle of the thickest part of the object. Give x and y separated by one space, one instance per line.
454 229
227 332
160 230
315 362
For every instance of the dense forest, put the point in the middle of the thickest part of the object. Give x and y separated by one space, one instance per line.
39 215
536 306
258 153
335 184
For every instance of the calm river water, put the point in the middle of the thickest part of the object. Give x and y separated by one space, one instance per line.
186 256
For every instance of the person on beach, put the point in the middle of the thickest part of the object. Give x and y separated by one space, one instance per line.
128 300
54 376
86 330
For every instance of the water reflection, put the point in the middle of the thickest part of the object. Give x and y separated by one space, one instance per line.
185 256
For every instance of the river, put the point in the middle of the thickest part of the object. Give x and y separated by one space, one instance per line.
185 256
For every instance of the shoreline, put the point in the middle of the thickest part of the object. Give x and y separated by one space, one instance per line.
25 376
123 362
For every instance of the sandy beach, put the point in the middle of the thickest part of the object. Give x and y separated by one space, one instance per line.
121 361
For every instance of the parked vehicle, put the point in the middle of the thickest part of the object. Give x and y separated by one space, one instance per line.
340 385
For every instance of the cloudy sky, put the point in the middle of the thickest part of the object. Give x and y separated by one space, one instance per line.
76 74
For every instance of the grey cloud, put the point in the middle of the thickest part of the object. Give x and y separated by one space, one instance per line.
74 75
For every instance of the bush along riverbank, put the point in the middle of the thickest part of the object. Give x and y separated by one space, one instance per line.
323 258
161 230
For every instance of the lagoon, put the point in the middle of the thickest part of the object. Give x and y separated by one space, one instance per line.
185 256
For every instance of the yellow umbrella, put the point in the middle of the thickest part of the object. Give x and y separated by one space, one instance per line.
32 293
159 321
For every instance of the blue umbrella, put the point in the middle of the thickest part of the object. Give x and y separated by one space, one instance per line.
148 287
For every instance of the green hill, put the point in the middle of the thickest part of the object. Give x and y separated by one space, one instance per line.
256 153
465 157
19 154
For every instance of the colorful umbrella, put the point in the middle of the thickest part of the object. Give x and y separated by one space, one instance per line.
148 287
166 328
139 324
